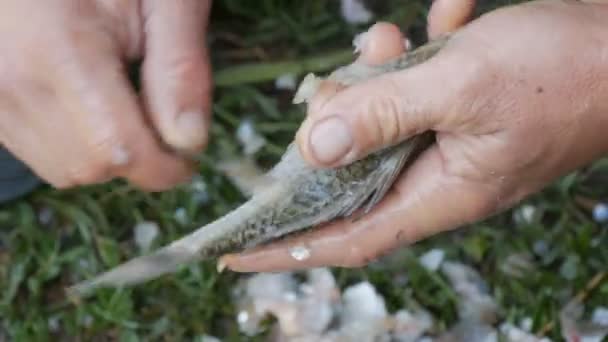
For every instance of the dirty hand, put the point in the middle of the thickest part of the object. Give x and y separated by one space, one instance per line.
518 98
67 108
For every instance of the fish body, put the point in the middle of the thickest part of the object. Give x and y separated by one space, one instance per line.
295 196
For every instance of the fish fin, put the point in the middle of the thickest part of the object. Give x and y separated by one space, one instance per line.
392 169
387 175
376 186
382 180
351 209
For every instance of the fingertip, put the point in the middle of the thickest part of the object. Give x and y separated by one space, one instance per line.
189 132
381 43
303 142
448 15
156 170
237 263
162 184
178 101
177 76
326 91
269 259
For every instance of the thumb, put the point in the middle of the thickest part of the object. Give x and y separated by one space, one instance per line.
378 113
176 72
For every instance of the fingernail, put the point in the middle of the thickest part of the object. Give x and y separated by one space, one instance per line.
330 140
193 129
221 266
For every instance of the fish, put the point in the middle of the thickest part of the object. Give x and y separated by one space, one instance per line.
293 197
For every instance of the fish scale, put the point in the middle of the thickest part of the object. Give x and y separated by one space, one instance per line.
295 197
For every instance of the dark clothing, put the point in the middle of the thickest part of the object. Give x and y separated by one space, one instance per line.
16 179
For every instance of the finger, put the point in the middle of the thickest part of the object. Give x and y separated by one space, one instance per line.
448 15
410 212
383 111
176 72
96 101
381 43
24 141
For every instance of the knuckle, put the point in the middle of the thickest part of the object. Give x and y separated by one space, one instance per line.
187 66
476 71
475 92
382 122
105 156
106 147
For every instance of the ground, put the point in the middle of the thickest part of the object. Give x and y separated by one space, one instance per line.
52 239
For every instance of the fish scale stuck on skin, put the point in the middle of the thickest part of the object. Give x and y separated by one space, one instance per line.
297 198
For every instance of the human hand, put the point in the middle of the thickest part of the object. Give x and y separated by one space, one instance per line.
67 108
517 99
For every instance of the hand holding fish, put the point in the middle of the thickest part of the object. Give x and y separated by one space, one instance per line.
517 99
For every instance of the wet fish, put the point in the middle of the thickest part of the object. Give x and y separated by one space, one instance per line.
294 197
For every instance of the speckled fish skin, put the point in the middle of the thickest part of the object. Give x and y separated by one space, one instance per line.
297 196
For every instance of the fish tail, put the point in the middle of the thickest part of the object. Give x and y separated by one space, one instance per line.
195 246
137 270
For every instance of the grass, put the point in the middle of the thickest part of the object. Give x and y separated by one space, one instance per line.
90 228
